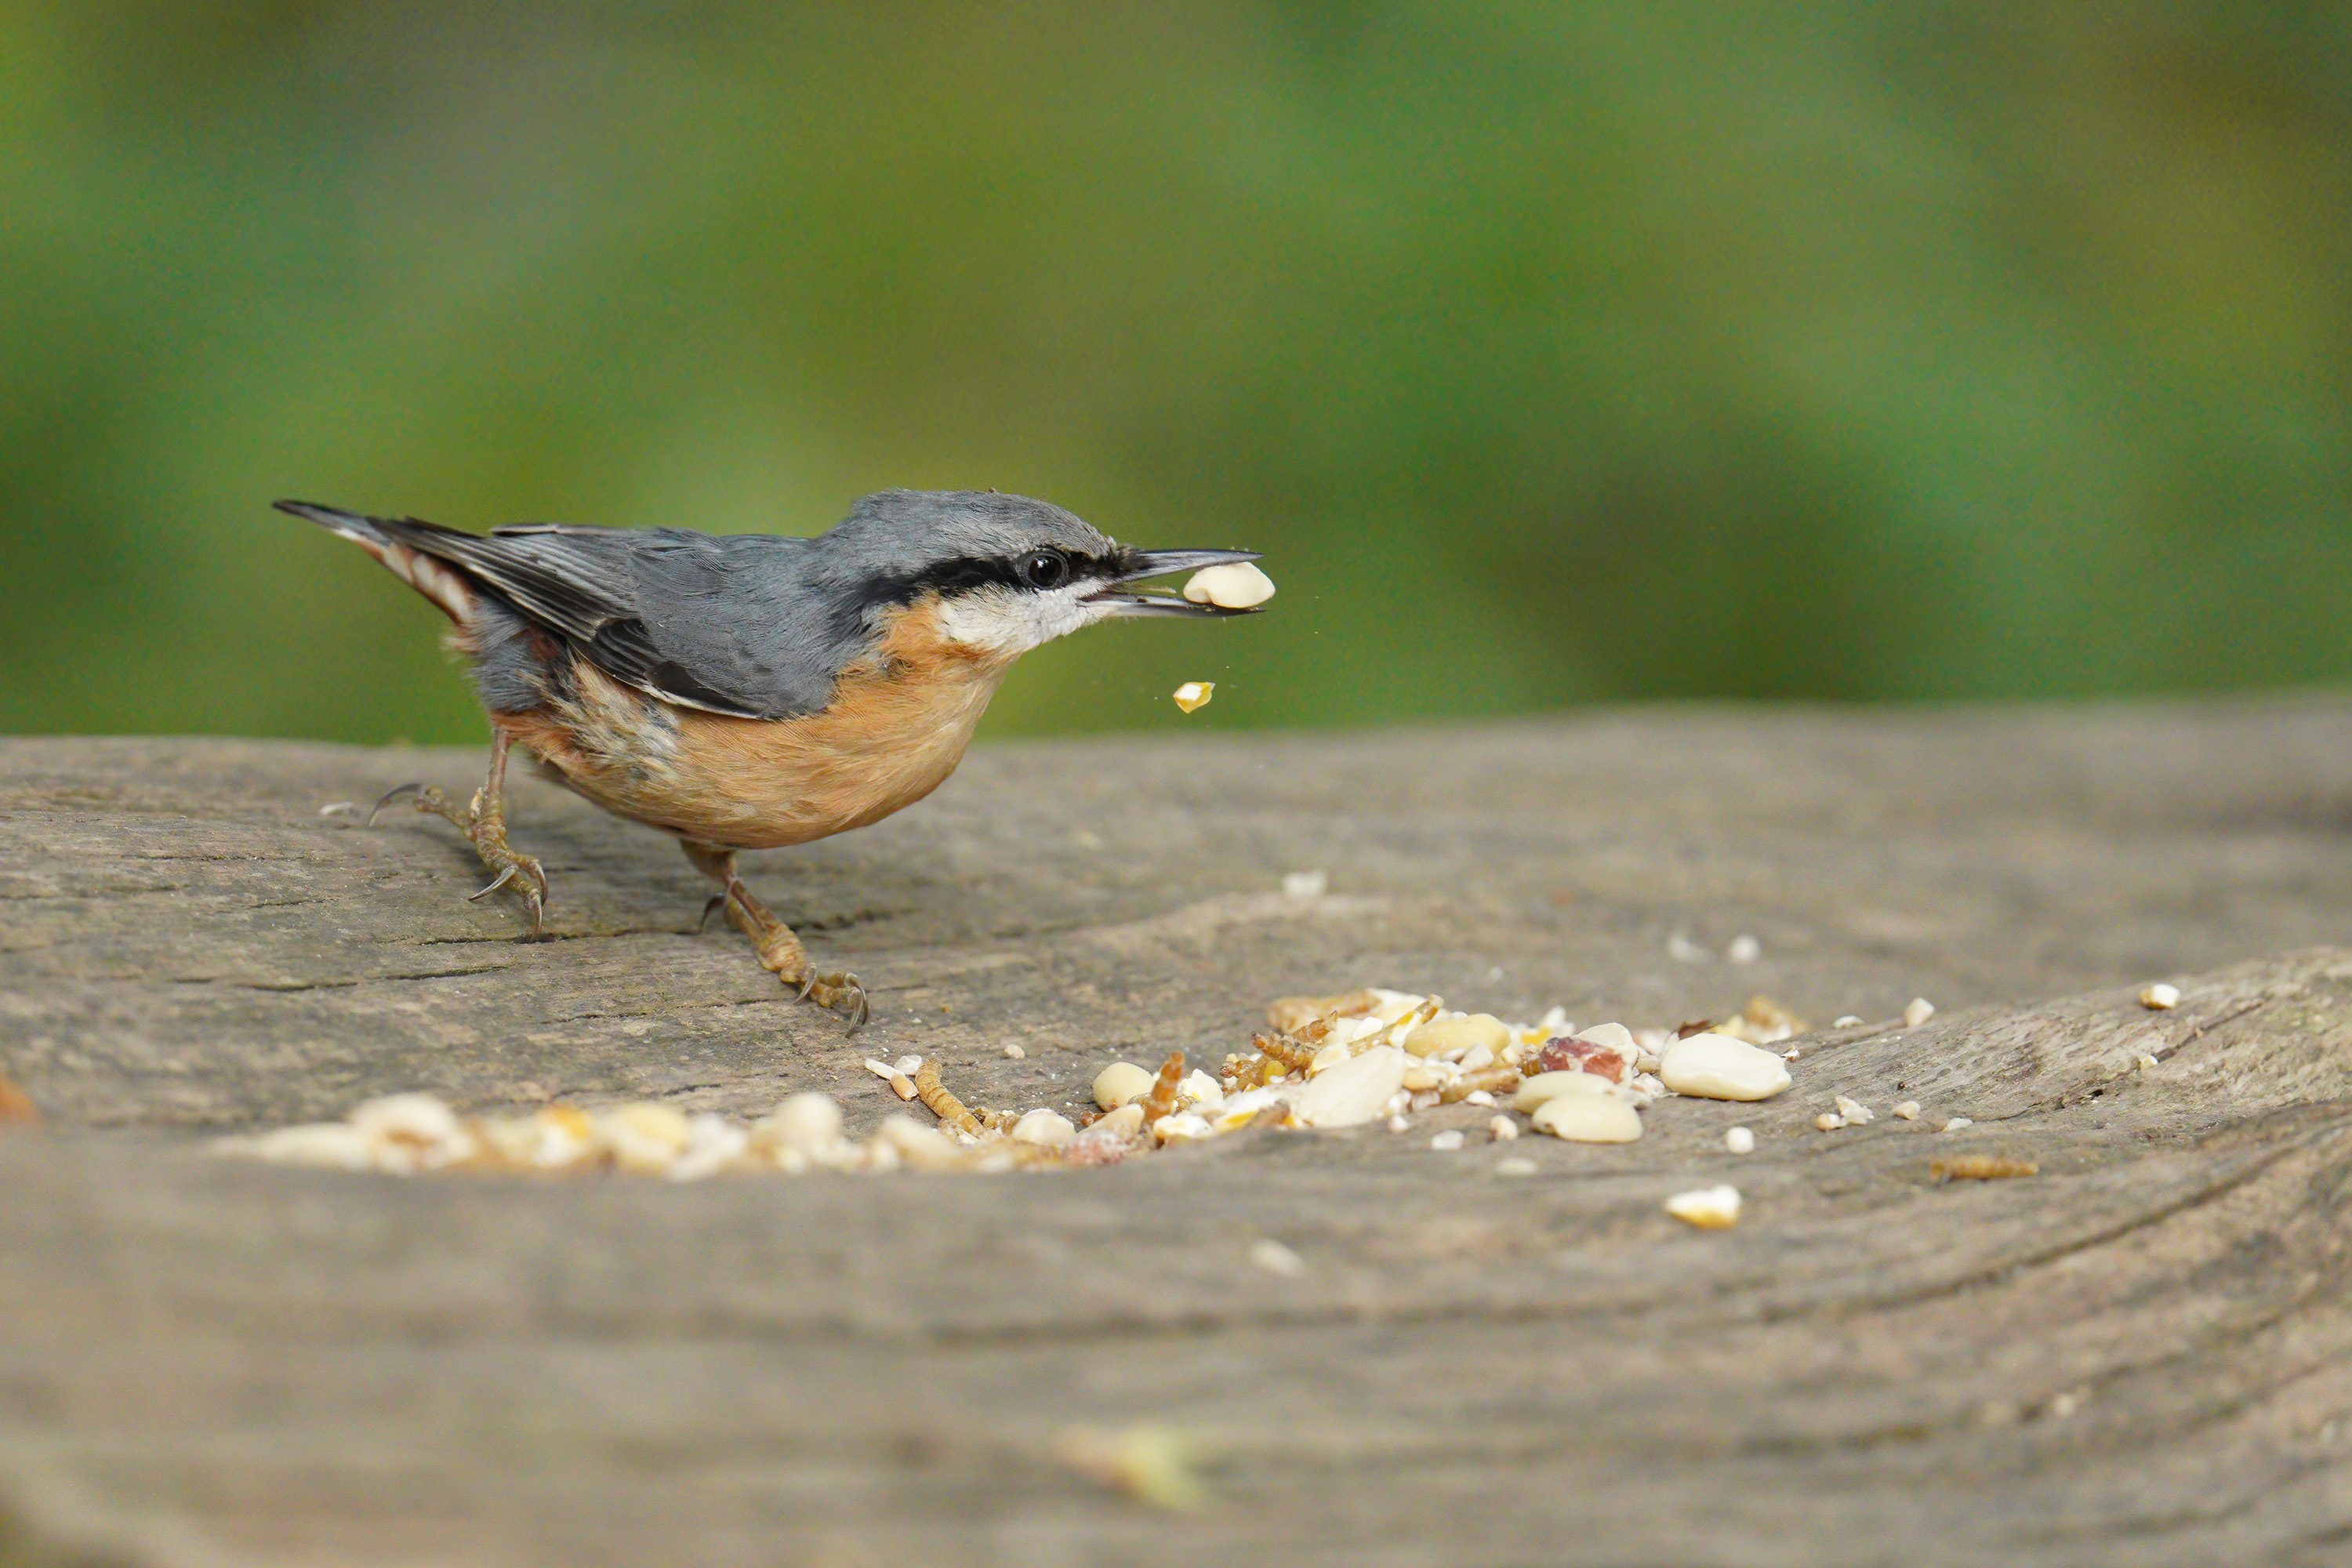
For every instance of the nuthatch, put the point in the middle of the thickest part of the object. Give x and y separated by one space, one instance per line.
747 691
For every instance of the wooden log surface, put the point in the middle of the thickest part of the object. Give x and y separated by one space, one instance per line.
2141 1355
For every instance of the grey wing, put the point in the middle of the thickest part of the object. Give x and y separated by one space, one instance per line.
581 582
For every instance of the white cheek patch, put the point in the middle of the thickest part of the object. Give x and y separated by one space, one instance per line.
998 620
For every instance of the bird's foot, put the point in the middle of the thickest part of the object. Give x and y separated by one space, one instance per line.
484 826
782 955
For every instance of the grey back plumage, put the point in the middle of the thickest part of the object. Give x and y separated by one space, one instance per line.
757 626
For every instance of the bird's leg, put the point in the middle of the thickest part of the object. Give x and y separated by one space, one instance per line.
781 953
484 821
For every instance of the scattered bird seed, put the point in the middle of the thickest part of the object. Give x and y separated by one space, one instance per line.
1847 1022
1447 1141
1154 1465
1276 1258
1908 1110
1515 1166
1120 1082
1856 1114
1014 1053
1589 1119
1744 949
1919 1011
1829 1121
1740 1140
1953 1123
1717 1066
1193 695
1709 1208
1502 1129
2144 1061
1682 949
2160 997
1306 884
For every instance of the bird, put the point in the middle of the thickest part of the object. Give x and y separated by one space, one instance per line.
751 691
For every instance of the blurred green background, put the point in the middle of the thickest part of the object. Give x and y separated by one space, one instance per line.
1553 352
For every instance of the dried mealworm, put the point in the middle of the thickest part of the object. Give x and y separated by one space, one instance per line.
1980 1168
1163 1098
1494 1080
942 1104
1285 1051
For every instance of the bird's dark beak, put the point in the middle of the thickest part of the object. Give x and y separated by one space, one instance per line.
1142 565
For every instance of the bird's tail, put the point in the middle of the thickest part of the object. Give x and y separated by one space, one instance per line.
447 585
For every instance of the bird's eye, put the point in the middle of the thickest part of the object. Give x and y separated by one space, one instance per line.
1046 569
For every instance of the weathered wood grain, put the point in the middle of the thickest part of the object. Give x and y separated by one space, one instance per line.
2142 1355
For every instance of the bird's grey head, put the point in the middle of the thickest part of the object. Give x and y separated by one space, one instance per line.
1009 572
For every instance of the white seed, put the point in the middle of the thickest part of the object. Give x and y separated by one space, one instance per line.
1477 1097
881 1069
713 1144
805 1121
2160 996
1193 695
1329 1057
1717 1066
1709 1208
1447 1141
919 1148
1124 1123
910 1065
1791 1054
1744 949
418 1118
1355 1092
1185 1126
1919 1011
1199 1089
1236 585
1682 949
1829 1121
1856 1114
1421 1077
1589 1119
1276 1258
1397 1124
1515 1166
1908 1110
1426 1101
1545 1086
1502 1129
1954 1124
1014 1053
2144 1061
1847 1022
645 1138
1740 1140
1464 1035
1304 885
1616 1036
1120 1082
1046 1129
336 1145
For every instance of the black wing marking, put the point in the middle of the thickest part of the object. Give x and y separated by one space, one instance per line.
575 581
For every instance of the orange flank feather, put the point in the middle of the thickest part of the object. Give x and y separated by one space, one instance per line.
897 727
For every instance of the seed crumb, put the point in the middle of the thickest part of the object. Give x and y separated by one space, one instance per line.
1847 1022
1306 886
1014 1053
2144 1062
1740 1140
1502 1129
1908 1110
2160 997
1744 949
1709 1208
1515 1166
1918 1012
1447 1141
1276 1258
1193 695
1856 1114
1829 1121
1953 1124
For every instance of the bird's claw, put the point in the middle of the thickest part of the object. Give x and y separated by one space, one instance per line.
500 880
389 796
718 902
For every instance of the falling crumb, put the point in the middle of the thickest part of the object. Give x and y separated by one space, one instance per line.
1709 1208
1276 1258
1152 1464
1953 1124
1829 1121
1515 1166
1744 949
1447 1141
1918 1012
1193 695
1306 884
1847 1022
1740 1140
2160 997
1980 1168
1908 1110
1855 1113
1502 1129
1014 1053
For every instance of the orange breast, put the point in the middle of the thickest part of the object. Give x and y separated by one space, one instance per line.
897 728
